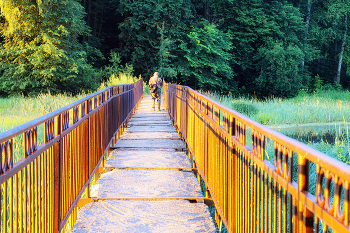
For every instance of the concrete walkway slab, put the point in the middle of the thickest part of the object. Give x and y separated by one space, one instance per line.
150 113
152 216
150 135
141 175
123 183
151 143
148 158
149 122
150 118
152 128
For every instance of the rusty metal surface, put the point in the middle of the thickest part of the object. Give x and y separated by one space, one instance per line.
260 181
48 163
144 216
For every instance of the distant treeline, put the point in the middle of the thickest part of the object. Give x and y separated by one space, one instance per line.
260 47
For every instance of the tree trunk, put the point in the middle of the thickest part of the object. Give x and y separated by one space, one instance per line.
207 12
85 18
101 23
337 78
94 29
308 16
89 15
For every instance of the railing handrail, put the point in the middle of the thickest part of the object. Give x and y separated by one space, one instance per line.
310 153
242 181
41 190
4 136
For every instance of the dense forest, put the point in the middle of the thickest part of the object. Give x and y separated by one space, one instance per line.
260 47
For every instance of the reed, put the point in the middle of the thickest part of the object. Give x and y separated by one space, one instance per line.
318 107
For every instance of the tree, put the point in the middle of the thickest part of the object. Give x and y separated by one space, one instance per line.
280 58
280 70
338 12
328 33
140 35
166 68
207 52
248 26
41 51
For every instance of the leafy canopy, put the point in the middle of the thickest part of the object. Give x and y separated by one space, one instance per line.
41 51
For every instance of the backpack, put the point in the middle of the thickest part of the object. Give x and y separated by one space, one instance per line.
153 87
153 84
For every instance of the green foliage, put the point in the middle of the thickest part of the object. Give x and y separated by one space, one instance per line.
280 73
41 51
121 78
265 47
282 55
207 52
166 67
249 26
317 85
115 67
340 151
140 33
146 89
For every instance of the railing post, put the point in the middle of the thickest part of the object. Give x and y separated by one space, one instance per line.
57 176
305 217
233 165
88 110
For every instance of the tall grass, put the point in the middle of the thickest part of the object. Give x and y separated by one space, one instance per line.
17 110
319 107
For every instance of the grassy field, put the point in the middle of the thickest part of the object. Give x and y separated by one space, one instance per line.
320 107
15 111
331 108
326 107
18 110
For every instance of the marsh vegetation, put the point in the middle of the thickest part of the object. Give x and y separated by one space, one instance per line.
319 119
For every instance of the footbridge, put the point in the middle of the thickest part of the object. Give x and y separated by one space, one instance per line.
109 163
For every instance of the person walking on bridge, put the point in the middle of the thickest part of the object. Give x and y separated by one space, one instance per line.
155 87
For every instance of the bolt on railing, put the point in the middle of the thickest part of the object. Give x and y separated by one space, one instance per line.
48 163
260 180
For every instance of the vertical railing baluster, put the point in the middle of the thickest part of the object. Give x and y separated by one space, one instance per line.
305 215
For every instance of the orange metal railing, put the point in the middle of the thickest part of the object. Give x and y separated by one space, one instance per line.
47 164
259 179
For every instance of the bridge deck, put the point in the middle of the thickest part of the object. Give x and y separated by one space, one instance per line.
148 184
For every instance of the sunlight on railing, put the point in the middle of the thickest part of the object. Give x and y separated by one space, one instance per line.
293 189
41 180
